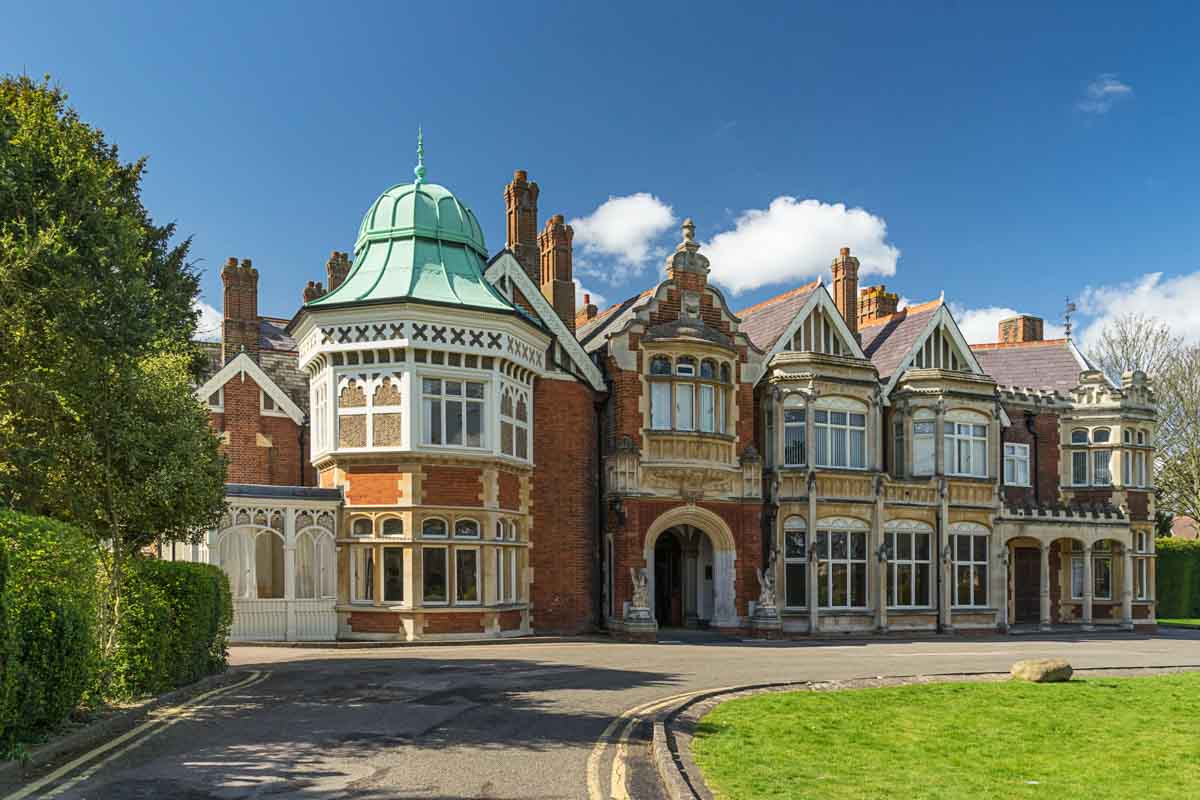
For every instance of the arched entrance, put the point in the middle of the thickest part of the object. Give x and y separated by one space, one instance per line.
690 555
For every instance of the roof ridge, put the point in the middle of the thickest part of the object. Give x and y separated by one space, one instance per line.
1003 345
902 313
780 297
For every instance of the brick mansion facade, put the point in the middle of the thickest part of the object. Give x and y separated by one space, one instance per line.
442 444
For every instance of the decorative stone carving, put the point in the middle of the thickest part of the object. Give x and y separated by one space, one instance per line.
641 592
766 588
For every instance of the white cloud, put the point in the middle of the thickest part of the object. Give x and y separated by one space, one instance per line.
598 300
1101 93
208 326
903 303
621 230
795 240
982 325
1173 300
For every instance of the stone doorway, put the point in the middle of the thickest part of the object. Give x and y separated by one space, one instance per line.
668 581
1027 585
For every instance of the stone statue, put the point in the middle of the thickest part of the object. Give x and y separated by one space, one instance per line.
641 592
766 584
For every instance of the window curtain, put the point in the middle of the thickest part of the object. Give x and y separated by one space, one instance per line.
306 567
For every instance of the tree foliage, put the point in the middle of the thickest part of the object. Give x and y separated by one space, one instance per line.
1134 342
98 422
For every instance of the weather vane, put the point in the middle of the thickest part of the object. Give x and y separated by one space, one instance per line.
1067 317
419 169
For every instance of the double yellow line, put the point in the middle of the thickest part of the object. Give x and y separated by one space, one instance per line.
163 718
630 718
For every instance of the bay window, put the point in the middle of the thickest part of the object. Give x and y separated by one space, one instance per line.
1016 464
685 393
466 575
841 568
970 554
362 575
514 422
795 563
909 568
434 577
924 453
452 412
1141 566
699 402
793 437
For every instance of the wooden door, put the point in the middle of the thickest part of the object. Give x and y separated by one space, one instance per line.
1027 584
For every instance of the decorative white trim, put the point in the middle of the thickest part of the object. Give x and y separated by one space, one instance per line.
842 524
241 365
506 266
907 526
942 315
819 297
969 527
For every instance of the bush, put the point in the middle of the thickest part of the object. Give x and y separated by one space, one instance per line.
174 626
1178 581
48 601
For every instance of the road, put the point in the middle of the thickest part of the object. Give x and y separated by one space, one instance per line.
516 720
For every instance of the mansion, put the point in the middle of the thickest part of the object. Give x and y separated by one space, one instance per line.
442 444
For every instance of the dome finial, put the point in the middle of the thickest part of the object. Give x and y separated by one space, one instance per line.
419 169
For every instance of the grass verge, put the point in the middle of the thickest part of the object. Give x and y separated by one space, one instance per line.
1180 621
1090 738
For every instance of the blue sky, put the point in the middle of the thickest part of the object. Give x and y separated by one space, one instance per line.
1010 156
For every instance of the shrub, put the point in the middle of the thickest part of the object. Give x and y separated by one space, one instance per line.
49 601
173 629
1178 580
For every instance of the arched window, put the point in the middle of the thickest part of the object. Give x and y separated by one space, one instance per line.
316 565
1079 436
842 563
1142 437
1100 435
660 365
393 526
434 528
910 563
466 529
268 565
360 527
685 366
795 562
708 369
725 373
969 548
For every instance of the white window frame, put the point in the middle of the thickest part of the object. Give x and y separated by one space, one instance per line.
921 440
1141 566
826 430
795 526
515 395
434 536
1098 557
895 561
444 400
467 536
973 563
474 550
824 545
1016 455
385 520
354 534
1102 467
957 434
1076 478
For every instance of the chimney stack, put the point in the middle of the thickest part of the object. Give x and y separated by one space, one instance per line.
1021 328
585 313
874 303
845 288
313 291
557 281
239 329
336 269
520 205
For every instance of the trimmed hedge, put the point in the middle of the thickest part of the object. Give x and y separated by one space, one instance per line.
174 628
1178 581
49 602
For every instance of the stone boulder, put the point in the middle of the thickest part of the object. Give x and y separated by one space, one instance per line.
1042 670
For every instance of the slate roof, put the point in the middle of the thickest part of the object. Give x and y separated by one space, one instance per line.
278 356
765 322
887 341
592 336
1052 364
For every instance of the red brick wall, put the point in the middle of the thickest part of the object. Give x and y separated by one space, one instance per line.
451 486
374 622
465 622
1046 458
1139 505
281 464
509 620
373 485
510 490
564 549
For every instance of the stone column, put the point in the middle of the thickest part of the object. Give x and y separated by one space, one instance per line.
289 571
939 440
811 521
947 558
880 562
810 455
1088 587
1127 587
1045 587
1000 580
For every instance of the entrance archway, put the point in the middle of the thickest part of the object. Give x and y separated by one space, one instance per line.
690 555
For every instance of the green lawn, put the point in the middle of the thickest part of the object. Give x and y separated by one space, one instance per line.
1091 738
1181 621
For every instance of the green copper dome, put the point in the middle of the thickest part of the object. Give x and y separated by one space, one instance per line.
418 242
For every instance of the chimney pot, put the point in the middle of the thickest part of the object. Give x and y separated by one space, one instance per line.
845 251
231 262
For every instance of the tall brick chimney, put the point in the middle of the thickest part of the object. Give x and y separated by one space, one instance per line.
1021 328
239 329
520 207
554 244
845 288
336 269
876 302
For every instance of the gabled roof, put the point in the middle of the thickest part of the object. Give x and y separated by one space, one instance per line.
613 318
1051 364
765 322
243 365
888 341
504 264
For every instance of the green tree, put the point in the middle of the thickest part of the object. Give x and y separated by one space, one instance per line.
98 422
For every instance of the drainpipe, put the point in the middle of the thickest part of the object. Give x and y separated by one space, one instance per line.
300 460
1030 420
937 554
598 571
